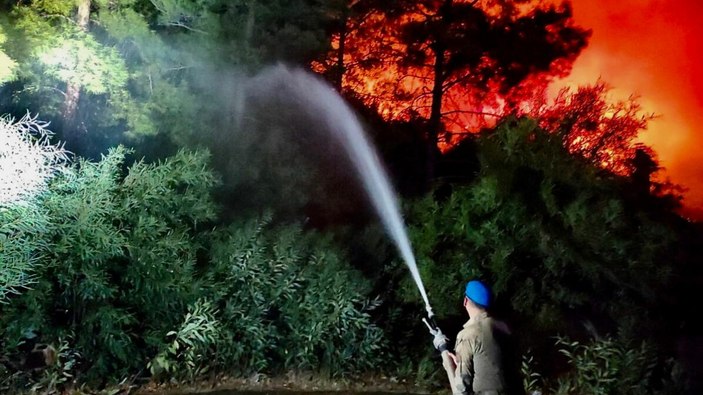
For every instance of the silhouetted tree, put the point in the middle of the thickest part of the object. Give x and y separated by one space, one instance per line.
593 126
644 166
440 60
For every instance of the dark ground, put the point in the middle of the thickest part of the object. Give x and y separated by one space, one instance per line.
691 355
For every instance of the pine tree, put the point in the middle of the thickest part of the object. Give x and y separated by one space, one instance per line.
449 62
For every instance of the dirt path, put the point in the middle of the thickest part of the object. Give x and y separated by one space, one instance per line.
292 383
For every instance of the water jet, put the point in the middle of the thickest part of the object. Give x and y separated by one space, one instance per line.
319 101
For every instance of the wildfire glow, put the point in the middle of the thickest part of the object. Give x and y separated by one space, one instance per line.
650 49
653 49
405 93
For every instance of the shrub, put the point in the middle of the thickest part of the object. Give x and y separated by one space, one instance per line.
117 269
551 235
560 242
611 367
188 351
28 162
287 301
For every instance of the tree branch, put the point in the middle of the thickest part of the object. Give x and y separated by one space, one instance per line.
184 26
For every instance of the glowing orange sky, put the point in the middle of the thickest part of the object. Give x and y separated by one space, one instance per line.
653 48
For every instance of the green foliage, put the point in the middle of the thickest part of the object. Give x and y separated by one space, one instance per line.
118 270
531 380
146 67
159 98
562 243
288 302
63 372
21 241
187 353
7 65
606 366
28 162
123 278
51 46
549 232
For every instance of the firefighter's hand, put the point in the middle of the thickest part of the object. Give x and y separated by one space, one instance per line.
439 340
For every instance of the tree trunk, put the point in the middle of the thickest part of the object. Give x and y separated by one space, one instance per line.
439 49
73 90
339 69
435 121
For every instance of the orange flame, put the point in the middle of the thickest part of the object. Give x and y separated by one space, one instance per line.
406 94
649 48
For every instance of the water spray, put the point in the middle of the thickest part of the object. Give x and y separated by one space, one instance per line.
346 128
321 102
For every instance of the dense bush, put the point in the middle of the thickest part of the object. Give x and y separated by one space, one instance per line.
564 249
117 267
554 237
288 301
130 274
28 161
604 366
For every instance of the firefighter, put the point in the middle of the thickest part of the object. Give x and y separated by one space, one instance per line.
478 364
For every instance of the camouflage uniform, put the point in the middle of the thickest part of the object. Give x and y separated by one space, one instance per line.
479 359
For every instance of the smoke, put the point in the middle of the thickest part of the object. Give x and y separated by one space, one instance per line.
653 49
272 150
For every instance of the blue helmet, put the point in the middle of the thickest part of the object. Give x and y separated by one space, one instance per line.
478 293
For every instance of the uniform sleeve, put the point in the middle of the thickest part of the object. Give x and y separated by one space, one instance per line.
464 375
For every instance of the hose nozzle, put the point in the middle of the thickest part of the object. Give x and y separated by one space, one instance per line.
439 340
429 320
430 313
